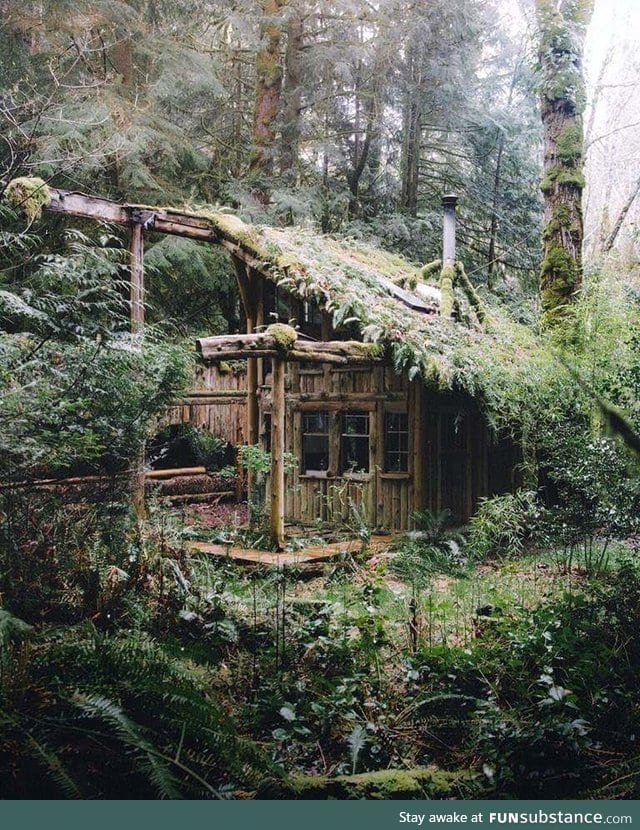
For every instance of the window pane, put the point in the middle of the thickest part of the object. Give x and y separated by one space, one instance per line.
355 442
315 450
396 442
315 422
315 441
356 423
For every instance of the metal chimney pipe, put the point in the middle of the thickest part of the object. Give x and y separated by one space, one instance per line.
449 202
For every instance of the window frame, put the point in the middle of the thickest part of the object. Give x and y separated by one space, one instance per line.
312 472
347 470
388 469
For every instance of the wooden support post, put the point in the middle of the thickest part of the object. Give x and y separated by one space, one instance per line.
136 269
417 420
136 273
249 304
277 452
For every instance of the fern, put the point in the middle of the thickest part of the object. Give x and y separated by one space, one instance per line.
357 741
132 735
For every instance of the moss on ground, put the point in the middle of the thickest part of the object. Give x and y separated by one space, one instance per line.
383 785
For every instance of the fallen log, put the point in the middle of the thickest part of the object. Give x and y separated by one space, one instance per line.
184 498
177 471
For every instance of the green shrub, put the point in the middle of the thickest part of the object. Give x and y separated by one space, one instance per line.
183 445
433 547
502 524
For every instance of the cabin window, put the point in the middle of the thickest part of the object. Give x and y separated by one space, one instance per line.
354 443
266 433
315 442
396 442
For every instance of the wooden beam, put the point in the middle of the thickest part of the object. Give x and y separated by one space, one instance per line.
278 413
261 344
162 220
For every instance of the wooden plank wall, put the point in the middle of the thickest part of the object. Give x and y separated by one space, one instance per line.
379 499
449 466
217 403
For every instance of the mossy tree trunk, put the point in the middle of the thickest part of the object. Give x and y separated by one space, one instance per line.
267 100
293 82
562 32
410 165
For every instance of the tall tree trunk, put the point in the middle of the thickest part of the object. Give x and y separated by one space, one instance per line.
497 187
562 31
292 99
267 100
411 145
361 156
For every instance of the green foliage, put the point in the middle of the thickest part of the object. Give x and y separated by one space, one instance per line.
254 458
76 392
434 547
148 723
502 524
192 285
183 445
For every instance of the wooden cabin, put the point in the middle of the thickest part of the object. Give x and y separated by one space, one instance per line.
363 441
357 362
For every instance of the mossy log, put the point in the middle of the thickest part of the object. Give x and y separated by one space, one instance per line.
447 282
472 294
384 785
274 344
431 268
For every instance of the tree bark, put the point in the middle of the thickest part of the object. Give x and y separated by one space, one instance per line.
267 100
292 99
361 155
611 239
411 141
562 32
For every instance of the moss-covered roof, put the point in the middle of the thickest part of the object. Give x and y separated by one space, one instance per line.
393 301
358 283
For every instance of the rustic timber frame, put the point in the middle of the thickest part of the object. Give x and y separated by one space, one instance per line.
319 370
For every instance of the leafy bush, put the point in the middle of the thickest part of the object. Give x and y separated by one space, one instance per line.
502 524
434 547
183 445
92 715
593 491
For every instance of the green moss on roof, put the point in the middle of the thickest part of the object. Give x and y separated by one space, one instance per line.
353 281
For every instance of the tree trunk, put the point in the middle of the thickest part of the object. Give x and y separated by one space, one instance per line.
267 100
497 186
292 99
411 145
562 32
611 239
361 155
